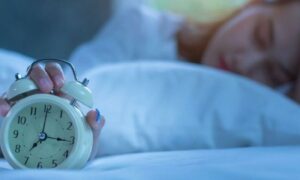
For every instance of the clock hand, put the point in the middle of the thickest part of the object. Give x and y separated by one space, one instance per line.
45 121
35 145
58 139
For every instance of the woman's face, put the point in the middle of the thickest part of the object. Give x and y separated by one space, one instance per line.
262 43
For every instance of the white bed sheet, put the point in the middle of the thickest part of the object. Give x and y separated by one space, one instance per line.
240 163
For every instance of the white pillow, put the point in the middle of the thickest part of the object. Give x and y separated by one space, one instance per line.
168 106
10 64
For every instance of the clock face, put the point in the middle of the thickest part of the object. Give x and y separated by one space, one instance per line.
41 135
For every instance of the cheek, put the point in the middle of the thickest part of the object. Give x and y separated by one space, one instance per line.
213 51
230 40
237 38
225 42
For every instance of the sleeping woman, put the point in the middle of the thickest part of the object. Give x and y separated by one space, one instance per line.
260 41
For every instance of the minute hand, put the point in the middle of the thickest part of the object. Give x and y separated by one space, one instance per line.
45 121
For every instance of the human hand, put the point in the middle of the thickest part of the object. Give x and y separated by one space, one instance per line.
52 78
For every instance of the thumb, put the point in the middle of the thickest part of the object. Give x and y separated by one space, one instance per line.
95 120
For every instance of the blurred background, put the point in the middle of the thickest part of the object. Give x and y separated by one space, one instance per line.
200 10
54 28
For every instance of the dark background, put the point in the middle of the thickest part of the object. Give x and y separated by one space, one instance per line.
50 28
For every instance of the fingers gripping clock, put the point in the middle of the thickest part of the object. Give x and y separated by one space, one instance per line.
45 130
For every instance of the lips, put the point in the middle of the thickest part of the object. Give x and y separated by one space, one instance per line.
223 64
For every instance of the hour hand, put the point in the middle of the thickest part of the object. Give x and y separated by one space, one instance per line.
34 145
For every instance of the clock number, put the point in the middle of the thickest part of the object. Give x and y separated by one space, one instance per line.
70 125
54 163
61 114
33 111
47 108
72 139
39 165
18 148
21 120
16 133
66 154
27 158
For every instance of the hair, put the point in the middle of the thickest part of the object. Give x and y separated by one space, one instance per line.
194 37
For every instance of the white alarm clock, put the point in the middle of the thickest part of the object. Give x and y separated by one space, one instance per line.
45 130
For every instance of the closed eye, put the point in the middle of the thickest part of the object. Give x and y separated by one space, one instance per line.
264 33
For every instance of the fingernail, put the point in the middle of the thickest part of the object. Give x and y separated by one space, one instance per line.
98 116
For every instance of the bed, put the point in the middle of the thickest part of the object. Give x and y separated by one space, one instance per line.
181 121
239 163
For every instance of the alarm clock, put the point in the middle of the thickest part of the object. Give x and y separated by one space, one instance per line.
45 130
